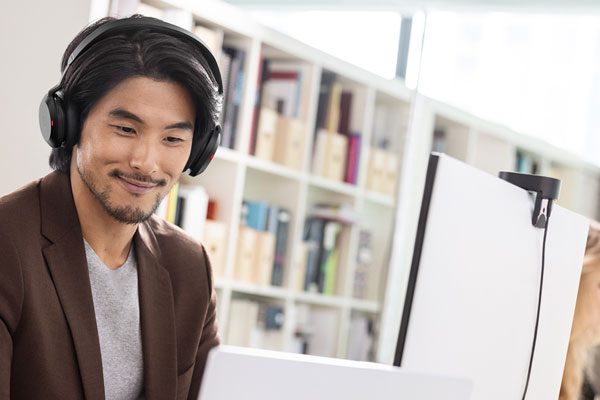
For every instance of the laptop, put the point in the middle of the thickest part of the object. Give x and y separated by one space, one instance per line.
253 374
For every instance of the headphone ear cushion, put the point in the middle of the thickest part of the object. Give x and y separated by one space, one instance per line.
72 127
200 158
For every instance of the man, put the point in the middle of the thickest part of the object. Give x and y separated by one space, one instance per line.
98 297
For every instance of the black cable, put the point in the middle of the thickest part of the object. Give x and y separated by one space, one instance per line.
537 319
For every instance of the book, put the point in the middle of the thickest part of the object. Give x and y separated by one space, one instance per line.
225 66
172 204
302 74
351 173
232 98
282 222
333 108
364 257
345 107
194 206
327 269
313 236
327 80
256 215
280 92
342 213
261 78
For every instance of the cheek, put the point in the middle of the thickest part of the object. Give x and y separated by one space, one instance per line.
176 160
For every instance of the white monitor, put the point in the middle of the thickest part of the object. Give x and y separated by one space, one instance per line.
472 296
252 374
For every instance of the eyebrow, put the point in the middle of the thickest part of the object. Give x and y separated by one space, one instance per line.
122 113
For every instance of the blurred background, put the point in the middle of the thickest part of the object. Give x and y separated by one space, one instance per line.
331 108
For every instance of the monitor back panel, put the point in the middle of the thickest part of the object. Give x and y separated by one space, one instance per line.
473 289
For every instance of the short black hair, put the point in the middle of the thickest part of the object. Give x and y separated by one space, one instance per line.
118 57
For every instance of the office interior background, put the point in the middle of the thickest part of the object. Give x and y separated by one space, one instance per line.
331 109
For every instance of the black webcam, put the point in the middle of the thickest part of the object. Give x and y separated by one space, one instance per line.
547 190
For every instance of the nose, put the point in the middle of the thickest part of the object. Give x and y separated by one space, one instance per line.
144 157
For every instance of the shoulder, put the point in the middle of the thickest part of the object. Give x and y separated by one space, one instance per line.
177 249
20 206
180 254
169 236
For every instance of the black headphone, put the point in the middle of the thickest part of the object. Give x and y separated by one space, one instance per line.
59 120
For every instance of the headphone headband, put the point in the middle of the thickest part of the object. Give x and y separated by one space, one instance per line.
131 25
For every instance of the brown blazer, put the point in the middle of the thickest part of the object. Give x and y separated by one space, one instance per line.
49 346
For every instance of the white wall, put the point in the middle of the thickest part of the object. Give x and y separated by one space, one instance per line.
33 36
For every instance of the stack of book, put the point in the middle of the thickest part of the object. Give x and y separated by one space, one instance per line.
338 127
322 237
262 243
281 106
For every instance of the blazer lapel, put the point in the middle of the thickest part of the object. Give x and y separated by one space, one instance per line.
157 315
67 264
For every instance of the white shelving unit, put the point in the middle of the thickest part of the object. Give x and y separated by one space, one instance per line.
235 176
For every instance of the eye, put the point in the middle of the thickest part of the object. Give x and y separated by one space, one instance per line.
174 140
124 129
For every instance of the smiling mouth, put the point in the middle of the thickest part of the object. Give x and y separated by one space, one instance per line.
136 187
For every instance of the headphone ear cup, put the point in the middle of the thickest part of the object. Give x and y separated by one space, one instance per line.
72 127
52 120
200 158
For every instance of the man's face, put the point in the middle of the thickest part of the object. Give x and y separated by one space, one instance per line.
134 145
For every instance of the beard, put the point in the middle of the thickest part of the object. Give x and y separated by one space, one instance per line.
125 214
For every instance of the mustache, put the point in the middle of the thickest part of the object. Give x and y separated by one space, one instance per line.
115 173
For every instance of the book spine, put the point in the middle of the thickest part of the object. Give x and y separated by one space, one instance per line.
262 67
283 225
172 203
237 98
345 104
353 158
314 233
327 257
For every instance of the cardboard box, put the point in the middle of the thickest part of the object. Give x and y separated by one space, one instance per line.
289 142
330 155
390 173
265 254
246 254
265 134
376 171
215 244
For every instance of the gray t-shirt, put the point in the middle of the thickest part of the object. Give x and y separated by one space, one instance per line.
116 303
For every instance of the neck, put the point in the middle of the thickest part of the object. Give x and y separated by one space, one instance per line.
110 239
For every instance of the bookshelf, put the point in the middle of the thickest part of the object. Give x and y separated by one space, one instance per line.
384 191
246 170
